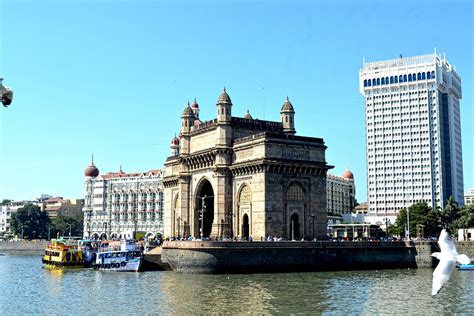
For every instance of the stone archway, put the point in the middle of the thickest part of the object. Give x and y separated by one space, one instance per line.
245 227
204 209
103 236
294 227
95 236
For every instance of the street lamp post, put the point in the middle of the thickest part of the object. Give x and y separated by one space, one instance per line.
408 223
203 209
70 225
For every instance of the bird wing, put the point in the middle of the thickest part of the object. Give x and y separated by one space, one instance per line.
441 274
446 244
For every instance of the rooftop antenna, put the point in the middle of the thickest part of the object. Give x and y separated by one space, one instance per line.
92 159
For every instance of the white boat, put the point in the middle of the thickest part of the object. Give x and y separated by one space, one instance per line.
120 255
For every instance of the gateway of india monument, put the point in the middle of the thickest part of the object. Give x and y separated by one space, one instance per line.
244 177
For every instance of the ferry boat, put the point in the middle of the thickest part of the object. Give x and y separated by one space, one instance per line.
63 253
120 255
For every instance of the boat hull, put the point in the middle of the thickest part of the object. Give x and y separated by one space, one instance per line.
131 265
466 266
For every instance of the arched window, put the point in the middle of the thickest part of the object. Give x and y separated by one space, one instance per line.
374 82
404 78
378 81
423 76
418 76
369 82
386 80
428 75
365 83
432 75
400 78
395 78
295 193
245 195
383 80
414 77
391 79
409 77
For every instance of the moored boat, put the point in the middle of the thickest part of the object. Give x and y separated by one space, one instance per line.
469 266
121 255
63 253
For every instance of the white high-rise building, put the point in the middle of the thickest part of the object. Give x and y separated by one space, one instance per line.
413 133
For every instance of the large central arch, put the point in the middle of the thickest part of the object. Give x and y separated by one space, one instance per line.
204 205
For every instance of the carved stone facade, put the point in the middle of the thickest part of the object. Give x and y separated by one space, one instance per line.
247 177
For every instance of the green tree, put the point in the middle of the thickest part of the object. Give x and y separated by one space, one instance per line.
30 222
5 202
465 217
63 224
450 214
420 214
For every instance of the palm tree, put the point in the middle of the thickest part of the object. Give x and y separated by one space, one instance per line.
450 213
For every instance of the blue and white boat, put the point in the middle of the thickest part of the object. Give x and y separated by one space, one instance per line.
121 255
469 266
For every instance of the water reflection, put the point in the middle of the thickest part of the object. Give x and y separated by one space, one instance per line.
33 290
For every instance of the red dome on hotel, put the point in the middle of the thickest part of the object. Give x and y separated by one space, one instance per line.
348 175
91 171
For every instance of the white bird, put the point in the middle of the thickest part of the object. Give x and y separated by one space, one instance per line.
447 261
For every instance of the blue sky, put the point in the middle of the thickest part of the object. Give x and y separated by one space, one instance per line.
111 78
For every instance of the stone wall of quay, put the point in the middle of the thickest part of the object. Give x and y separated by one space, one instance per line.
252 257
23 246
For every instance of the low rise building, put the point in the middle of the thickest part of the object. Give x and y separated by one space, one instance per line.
57 206
469 197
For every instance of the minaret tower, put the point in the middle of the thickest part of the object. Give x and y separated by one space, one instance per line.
288 117
174 146
187 121
224 108
195 108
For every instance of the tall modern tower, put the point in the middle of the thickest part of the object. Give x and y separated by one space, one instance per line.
413 133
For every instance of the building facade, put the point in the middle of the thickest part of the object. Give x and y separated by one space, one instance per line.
122 205
241 177
413 133
57 206
469 197
340 193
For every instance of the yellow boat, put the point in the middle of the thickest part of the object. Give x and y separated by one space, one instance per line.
62 253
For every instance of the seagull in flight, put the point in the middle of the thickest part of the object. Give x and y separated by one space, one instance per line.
447 261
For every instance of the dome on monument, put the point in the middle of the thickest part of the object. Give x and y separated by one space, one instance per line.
175 141
248 116
224 97
195 105
287 106
187 111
